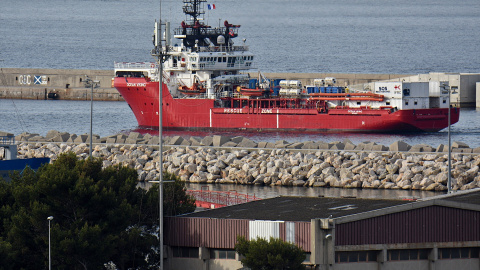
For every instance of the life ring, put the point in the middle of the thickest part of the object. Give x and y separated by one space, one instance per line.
152 65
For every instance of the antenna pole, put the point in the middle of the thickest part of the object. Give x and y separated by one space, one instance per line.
160 53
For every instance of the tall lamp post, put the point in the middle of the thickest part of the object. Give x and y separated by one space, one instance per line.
49 245
93 84
160 52
449 181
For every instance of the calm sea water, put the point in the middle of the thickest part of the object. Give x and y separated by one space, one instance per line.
40 116
349 36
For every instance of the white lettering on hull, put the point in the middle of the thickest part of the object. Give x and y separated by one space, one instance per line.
232 110
136 84
355 111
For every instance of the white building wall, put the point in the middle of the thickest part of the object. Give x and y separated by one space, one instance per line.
264 229
478 95
290 232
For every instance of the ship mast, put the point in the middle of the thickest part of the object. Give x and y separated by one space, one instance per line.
192 8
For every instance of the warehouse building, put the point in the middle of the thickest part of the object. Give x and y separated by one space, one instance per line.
464 89
438 233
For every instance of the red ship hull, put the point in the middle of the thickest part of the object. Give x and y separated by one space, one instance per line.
142 97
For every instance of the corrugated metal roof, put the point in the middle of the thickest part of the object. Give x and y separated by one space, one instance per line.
263 229
446 218
466 197
298 208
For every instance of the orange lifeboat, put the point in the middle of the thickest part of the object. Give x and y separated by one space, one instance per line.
196 89
257 92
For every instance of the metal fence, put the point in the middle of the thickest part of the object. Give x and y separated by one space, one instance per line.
224 198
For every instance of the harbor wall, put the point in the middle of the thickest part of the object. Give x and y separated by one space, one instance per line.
69 84
238 160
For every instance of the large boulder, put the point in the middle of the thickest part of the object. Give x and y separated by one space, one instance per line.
399 146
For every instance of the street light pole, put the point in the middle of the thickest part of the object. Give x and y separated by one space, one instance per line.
49 245
449 181
161 55
91 120
93 84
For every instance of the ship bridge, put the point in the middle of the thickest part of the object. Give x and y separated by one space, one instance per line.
212 59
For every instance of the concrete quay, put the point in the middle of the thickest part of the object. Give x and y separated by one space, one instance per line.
69 84
239 160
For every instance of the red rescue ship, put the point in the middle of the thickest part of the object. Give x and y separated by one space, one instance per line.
206 86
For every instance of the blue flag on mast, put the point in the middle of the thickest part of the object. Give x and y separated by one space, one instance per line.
211 6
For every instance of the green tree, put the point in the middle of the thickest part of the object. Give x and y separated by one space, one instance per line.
100 216
261 254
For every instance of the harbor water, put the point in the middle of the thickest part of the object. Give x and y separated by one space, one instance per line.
113 117
388 37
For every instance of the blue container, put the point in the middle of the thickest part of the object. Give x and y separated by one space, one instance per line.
252 84
310 89
276 82
316 89
323 89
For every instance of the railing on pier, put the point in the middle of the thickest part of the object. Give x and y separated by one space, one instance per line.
135 65
7 140
214 199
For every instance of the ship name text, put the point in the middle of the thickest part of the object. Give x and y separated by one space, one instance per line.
137 84
355 111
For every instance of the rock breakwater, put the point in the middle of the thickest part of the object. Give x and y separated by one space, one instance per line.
238 160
